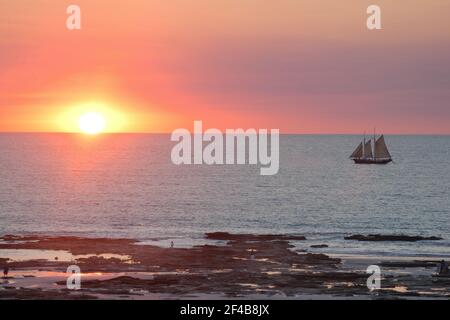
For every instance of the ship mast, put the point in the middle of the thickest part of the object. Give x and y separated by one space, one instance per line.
373 154
364 146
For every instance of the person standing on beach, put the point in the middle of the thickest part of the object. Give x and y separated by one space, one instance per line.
5 271
443 268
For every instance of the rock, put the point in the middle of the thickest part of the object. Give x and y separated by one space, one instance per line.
318 259
380 237
251 237
220 270
408 264
319 246
39 294
10 237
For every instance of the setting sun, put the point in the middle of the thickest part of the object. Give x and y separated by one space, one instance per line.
94 117
92 123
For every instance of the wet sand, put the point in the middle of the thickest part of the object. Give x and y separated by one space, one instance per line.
240 266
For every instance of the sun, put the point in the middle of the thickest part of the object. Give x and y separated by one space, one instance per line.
92 123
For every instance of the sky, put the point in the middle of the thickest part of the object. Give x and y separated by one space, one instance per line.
295 65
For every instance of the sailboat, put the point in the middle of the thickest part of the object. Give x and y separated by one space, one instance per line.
364 154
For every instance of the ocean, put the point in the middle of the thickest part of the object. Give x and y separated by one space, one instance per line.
125 185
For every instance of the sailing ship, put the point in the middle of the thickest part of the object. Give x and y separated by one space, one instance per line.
366 154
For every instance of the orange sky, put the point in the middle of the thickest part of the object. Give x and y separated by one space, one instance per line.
154 66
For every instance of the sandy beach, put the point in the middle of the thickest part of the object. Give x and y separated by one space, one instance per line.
237 266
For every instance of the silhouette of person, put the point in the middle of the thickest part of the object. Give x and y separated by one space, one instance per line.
443 268
5 271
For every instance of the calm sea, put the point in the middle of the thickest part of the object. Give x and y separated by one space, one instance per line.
124 185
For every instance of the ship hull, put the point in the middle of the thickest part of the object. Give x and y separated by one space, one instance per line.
372 161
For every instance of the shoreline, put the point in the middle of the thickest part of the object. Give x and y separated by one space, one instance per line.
238 266
333 247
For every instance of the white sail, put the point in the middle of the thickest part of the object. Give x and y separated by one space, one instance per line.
381 150
368 150
358 152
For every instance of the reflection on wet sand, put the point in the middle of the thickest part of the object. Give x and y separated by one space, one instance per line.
251 266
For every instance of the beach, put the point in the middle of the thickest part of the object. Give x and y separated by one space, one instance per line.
237 266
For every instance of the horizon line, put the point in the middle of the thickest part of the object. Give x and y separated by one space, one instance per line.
168 133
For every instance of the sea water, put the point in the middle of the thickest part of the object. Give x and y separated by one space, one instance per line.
125 185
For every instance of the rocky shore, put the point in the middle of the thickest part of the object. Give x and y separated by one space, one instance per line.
246 266
381 237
